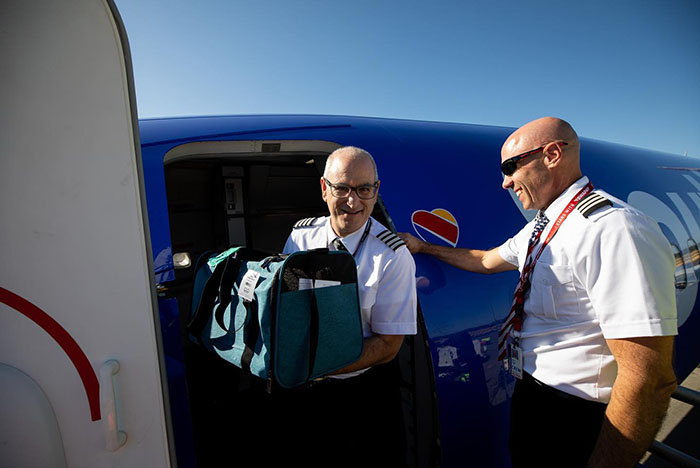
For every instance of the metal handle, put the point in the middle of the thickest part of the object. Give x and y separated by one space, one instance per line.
114 436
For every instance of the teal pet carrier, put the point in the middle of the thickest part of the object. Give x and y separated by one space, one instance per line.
286 318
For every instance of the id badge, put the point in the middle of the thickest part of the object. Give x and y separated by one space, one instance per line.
515 361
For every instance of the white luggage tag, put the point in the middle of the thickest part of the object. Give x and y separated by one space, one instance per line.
247 288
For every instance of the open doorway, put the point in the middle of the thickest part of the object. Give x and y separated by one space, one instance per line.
251 193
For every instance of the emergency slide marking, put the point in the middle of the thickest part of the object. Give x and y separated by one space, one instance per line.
65 341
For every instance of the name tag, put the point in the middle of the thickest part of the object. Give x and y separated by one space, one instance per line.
516 361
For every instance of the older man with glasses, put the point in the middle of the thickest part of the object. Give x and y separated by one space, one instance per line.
360 401
589 336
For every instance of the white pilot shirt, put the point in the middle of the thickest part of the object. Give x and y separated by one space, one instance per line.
607 276
386 278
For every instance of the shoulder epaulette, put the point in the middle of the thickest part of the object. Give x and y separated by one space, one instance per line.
306 222
592 202
390 239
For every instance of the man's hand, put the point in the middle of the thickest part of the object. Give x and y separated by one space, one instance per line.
377 349
479 261
640 396
413 243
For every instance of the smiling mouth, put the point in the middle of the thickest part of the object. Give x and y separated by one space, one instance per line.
351 213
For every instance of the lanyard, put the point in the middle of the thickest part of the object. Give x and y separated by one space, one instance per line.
362 239
513 323
530 262
364 236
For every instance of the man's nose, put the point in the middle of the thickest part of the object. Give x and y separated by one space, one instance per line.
352 198
507 182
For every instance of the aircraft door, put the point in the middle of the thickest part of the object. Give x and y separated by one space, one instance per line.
78 341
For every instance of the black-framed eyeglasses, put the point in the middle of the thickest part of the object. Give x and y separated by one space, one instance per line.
364 192
509 166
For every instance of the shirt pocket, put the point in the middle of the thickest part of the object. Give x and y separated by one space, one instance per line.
556 291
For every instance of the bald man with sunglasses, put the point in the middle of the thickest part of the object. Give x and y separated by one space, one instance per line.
589 336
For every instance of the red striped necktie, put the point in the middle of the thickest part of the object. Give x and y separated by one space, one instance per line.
514 320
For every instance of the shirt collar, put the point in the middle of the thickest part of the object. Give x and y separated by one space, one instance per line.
557 206
350 241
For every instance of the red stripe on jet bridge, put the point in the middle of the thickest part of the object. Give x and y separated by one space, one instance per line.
65 341
436 224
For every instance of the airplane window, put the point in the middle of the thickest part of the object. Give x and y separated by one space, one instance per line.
680 275
694 253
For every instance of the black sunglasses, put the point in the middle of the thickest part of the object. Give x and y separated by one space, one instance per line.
509 166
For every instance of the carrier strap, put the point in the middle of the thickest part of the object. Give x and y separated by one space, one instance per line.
314 319
252 334
206 302
233 266
313 334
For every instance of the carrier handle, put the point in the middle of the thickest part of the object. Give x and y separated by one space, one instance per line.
252 333
206 301
315 318
313 333
228 277
314 325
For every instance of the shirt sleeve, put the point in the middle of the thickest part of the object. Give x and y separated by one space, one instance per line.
290 246
629 276
509 251
394 311
513 250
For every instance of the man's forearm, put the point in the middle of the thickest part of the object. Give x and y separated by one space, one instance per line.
631 422
637 405
377 349
479 261
466 259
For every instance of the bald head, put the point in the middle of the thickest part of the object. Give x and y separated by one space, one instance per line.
540 132
347 156
540 178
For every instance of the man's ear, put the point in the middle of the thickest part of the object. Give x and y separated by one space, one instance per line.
552 155
324 189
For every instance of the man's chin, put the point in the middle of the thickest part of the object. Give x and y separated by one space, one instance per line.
349 224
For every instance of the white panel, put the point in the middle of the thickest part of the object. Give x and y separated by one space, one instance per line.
29 434
72 238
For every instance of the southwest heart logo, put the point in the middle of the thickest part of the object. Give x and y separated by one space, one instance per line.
439 222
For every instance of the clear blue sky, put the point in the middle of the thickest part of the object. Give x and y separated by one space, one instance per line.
626 71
